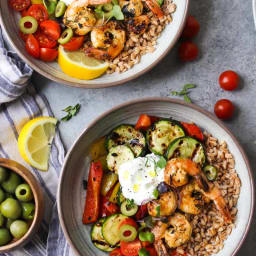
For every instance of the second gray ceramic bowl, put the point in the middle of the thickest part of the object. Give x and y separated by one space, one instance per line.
71 195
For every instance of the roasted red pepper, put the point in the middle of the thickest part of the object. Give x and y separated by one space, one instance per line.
92 203
108 208
142 212
193 131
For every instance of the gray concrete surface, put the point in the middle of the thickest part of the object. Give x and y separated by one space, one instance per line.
226 41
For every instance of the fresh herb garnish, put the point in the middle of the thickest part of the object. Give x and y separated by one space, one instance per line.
85 183
161 162
149 222
116 13
184 92
155 193
130 203
144 252
158 211
71 111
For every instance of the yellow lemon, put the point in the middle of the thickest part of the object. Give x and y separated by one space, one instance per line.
35 139
76 64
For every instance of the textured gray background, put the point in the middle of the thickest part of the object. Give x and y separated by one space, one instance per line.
226 41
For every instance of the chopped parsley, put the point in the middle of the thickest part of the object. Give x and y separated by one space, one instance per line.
184 92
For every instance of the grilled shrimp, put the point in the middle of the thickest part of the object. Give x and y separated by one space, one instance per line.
164 206
160 248
107 40
178 232
81 18
131 8
138 25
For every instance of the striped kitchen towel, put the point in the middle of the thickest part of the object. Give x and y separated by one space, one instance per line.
19 102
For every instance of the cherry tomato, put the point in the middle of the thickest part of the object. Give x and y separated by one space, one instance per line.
229 80
116 252
145 244
74 44
142 212
193 130
32 46
38 11
108 208
24 13
224 109
44 41
51 29
152 251
23 36
188 51
192 28
19 5
48 55
128 221
131 248
143 122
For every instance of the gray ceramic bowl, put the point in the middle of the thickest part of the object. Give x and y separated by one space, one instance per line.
9 21
71 195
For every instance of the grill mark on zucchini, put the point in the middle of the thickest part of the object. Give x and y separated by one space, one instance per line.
103 243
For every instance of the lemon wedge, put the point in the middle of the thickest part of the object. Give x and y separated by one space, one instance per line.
76 64
35 139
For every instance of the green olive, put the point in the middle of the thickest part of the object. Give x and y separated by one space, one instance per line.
28 211
19 228
9 222
24 193
66 36
210 172
5 236
2 195
11 183
33 25
3 174
2 220
10 208
60 9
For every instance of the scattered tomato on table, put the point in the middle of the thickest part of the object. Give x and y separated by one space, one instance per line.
229 80
224 109
188 51
192 28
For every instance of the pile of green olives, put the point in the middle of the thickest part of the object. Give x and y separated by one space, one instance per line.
17 207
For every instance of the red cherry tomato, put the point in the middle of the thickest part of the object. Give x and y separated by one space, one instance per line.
44 41
229 80
142 212
23 36
143 122
175 253
188 51
32 46
24 13
51 29
116 252
128 221
224 109
131 248
38 11
48 55
19 5
74 44
192 28
145 244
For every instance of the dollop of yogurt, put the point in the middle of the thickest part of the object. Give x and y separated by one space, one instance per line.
67 2
139 178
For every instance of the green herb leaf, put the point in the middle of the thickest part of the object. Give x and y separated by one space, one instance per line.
144 252
155 193
174 93
117 12
161 162
187 99
72 111
146 236
189 86
158 211
130 203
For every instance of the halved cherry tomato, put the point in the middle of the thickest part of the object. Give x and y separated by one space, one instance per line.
24 13
116 252
128 221
192 28
108 208
142 212
175 253
229 80
38 11
32 46
224 109
130 248
48 55
143 123
188 51
155 8
51 29
44 41
152 251
74 44
23 36
193 131
19 5
92 202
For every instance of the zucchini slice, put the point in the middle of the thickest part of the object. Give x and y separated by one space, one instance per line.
187 147
110 228
98 239
161 134
117 156
127 135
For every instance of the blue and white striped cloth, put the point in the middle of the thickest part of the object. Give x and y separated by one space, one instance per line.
19 102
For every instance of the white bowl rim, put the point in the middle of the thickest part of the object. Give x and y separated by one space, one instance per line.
98 85
157 99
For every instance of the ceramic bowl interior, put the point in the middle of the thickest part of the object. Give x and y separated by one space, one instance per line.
71 194
38 198
169 36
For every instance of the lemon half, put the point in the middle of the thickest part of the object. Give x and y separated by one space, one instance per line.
35 139
76 64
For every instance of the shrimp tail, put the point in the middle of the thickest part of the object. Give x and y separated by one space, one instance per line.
160 248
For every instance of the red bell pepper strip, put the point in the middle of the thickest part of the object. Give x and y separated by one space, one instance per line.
108 208
193 131
142 212
92 203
